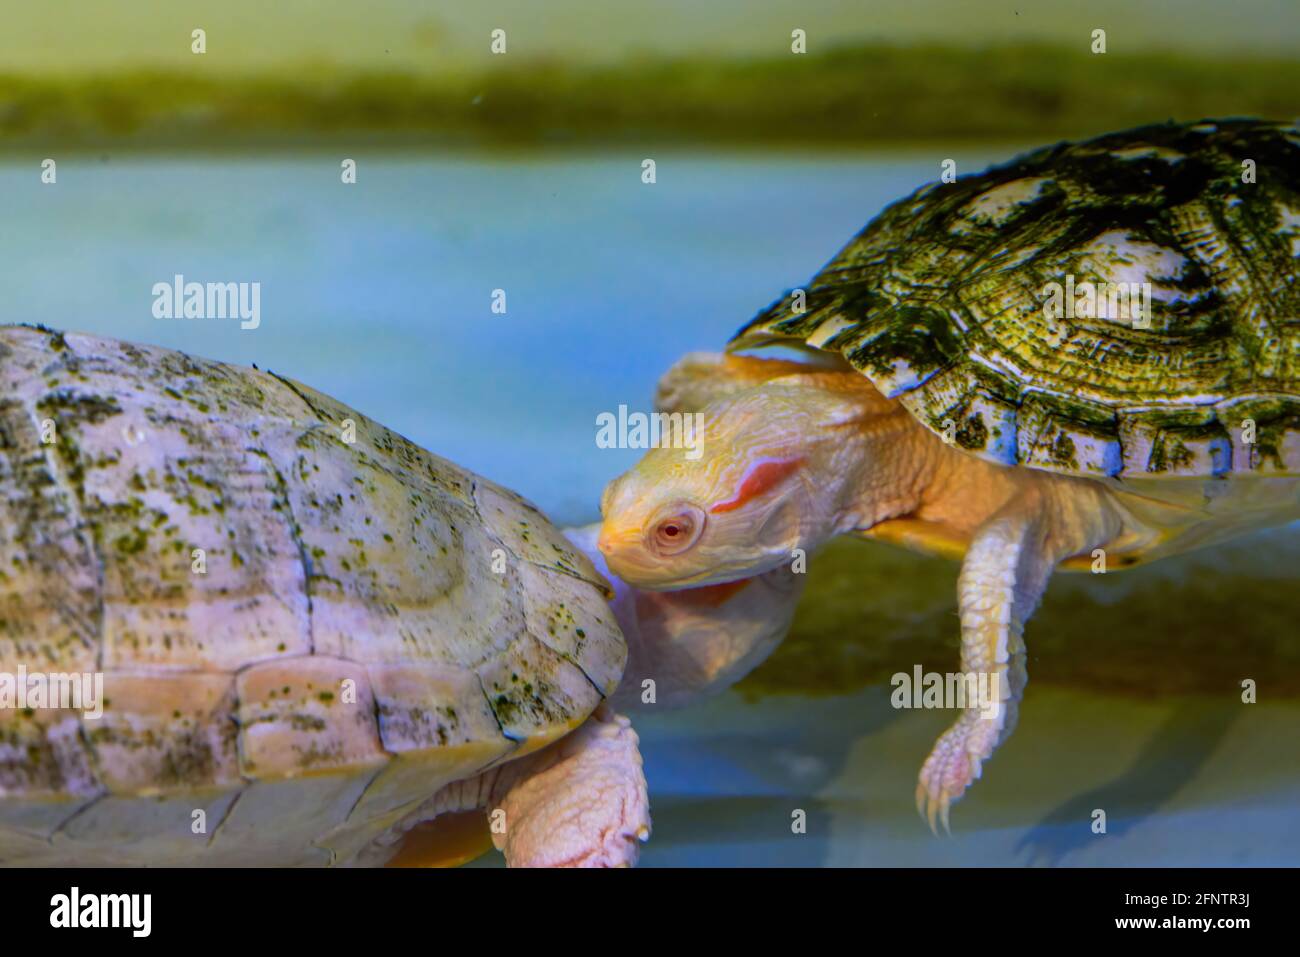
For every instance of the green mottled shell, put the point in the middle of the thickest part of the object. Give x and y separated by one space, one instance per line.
365 622
940 302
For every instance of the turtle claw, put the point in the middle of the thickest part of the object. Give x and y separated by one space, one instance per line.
951 768
933 809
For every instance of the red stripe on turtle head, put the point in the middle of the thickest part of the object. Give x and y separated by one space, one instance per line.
758 479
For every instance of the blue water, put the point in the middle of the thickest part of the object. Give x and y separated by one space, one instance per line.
380 293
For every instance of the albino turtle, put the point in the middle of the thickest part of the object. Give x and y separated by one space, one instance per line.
968 393
311 633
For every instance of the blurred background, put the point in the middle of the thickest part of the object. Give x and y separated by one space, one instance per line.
522 171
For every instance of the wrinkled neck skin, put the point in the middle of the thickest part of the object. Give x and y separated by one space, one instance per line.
693 643
882 464
887 465
873 467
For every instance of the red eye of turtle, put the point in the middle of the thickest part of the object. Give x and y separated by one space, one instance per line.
669 531
677 530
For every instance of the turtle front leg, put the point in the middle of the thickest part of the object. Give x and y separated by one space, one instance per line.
581 802
1003 578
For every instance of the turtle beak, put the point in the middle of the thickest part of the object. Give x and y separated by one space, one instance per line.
620 547
609 540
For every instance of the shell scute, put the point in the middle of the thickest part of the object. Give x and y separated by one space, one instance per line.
1062 435
50 606
1264 431
164 737
974 406
904 347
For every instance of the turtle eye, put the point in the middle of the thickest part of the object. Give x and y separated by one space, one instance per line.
676 529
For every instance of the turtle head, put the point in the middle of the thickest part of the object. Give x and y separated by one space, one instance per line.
753 488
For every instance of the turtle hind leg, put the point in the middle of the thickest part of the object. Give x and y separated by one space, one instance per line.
1003 578
578 802
581 802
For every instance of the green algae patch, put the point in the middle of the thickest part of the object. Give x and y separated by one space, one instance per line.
1196 623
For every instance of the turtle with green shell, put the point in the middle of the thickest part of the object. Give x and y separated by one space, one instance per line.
951 398
312 635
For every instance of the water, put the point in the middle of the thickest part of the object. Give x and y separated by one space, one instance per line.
380 294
